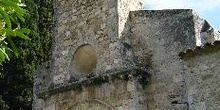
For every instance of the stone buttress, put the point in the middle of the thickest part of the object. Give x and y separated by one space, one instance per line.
181 52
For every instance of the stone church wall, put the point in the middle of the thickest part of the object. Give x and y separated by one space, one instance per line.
118 90
82 22
202 77
158 40
106 56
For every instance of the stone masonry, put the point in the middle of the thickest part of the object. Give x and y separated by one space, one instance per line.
112 55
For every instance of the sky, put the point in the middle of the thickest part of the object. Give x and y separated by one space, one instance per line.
207 9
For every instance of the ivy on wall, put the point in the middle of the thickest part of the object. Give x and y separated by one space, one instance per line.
16 76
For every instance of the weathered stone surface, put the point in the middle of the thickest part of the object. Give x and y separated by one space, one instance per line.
84 61
97 23
116 94
202 77
157 39
107 56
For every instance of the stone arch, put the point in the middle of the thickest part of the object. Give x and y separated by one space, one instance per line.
93 104
88 104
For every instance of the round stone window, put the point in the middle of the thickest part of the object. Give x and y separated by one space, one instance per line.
84 60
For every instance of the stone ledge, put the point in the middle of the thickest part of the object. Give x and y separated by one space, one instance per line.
159 14
198 51
126 74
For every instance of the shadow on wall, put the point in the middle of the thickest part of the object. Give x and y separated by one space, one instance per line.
198 51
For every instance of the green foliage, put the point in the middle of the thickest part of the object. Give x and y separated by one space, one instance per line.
3 105
16 82
11 14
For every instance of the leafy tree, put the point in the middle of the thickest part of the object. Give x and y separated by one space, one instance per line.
16 80
3 105
11 14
